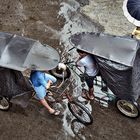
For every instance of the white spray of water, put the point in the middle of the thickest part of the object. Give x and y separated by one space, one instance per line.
74 23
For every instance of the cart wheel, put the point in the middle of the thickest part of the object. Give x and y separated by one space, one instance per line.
80 112
59 73
127 108
4 104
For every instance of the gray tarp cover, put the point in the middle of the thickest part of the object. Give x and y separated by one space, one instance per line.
20 53
118 59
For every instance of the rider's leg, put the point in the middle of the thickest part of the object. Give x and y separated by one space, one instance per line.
50 77
46 105
90 84
91 93
50 80
104 86
41 94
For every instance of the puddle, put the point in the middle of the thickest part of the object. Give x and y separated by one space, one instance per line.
77 128
71 125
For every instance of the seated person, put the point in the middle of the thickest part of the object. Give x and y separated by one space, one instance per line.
41 82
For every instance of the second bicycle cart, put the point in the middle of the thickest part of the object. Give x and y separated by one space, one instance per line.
118 61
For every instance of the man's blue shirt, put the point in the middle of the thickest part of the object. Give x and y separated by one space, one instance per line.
38 79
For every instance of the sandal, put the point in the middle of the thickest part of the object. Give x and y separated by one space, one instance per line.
55 113
90 97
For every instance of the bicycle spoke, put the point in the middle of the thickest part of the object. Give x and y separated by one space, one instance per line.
80 113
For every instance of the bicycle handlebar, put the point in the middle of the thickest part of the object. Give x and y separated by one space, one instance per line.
69 62
71 49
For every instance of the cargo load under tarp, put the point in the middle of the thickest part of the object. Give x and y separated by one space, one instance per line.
14 86
118 59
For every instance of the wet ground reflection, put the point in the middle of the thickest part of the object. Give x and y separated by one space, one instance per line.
77 127
71 125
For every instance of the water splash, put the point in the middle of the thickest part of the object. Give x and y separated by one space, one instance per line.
74 22
66 122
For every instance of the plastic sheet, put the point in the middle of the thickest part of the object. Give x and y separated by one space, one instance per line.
21 53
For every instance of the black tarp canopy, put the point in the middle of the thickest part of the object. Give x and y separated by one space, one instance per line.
118 59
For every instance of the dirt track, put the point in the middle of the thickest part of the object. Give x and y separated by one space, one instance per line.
39 19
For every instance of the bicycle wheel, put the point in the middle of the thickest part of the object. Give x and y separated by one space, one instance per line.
127 108
4 104
59 73
80 112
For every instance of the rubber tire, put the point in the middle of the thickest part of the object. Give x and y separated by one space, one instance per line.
124 112
8 102
77 116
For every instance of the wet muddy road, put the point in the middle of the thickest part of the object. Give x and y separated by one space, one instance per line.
52 23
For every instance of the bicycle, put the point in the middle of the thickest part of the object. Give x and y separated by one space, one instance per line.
79 110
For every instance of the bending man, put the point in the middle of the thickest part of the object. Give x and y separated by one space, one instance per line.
41 82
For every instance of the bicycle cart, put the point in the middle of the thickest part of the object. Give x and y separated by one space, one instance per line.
119 65
17 54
